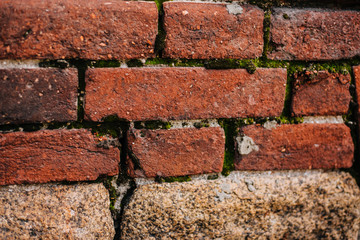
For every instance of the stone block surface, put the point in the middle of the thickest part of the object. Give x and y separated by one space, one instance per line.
52 211
268 205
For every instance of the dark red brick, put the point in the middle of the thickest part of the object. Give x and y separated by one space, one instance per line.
208 30
356 70
311 34
54 155
321 93
38 95
183 93
92 29
295 146
175 152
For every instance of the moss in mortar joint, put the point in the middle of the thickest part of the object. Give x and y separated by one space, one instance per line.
172 179
152 125
230 133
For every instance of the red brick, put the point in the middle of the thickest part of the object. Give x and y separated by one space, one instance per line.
356 70
183 93
321 93
92 29
314 34
54 155
38 95
296 146
176 152
208 30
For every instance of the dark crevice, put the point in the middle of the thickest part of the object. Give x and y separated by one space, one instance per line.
124 202
160 38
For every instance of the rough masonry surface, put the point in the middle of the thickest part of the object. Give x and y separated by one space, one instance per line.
183 93
54 155
296 146
51 211
176 152
278 205
208 30
321 93
92 29
314 34
38 95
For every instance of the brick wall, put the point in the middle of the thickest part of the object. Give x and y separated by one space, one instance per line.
113 92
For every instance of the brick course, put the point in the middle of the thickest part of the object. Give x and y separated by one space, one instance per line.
183 93
308 34
38 95
321 93
294 146
54 155
208 30
175 152
92 29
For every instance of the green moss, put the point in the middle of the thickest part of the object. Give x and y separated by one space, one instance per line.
229 127
112 192
201 124
152 125
134 63
266 24
222 64
176 179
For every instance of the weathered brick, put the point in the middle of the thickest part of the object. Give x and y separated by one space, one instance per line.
314 34
175 152
54 155
208 30
183 93
38 95
356 70
92 29
320 93
294 146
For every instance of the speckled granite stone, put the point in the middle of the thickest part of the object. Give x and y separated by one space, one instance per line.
51 211
278 205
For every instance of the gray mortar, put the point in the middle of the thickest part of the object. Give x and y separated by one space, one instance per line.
323 119
246 145
234 8
4 64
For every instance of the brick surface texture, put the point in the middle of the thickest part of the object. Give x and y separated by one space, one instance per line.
176 152
54 155
183 93
207 30
92 29
314 34
356 70
321 93
38 95
301 146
